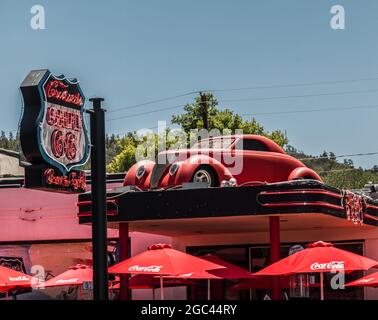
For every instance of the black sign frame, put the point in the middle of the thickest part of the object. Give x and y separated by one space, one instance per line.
53 132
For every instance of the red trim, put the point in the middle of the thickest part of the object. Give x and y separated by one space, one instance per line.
89 213
85 203
314 191
296 203
370 217
371 206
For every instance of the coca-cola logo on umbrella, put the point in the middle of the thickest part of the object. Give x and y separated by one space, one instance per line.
333 265
20 278
68 281
153 269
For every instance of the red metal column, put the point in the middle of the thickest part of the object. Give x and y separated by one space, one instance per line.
123 255
274 227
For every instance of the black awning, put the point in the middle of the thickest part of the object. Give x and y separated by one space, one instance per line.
293 197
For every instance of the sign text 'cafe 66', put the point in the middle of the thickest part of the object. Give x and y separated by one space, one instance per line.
53 134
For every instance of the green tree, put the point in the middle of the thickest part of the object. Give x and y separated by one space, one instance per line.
9 142
332 156
129 149
113 147
350 179
191 119
4 143
126 157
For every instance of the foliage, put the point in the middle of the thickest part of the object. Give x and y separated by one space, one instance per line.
129 146
191 119
352 179
123 159
9 142
341 175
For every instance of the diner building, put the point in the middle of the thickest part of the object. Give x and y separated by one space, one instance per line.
252 226
42 228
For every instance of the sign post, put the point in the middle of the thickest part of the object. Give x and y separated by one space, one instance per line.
99 222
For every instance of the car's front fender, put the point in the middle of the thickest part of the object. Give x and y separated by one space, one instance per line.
143 182
189 166
304 172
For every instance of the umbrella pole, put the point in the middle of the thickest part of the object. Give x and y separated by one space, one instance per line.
161 288
6 294
153 293
81 292
321 286
208 290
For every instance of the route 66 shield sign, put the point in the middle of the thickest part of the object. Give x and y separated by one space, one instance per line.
53 133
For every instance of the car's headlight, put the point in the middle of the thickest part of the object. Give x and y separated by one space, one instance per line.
140 172
173 168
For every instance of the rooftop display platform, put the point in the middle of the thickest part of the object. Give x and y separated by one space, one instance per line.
191 209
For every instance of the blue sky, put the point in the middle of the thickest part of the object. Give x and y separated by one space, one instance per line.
131 52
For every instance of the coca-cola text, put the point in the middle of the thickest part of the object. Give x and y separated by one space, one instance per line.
146 268
332 265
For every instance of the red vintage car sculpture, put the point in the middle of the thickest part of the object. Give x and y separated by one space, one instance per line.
241 159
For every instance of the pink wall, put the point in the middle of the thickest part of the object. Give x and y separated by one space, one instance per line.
31 215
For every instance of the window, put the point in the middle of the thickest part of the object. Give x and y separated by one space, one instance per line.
214 143
251 144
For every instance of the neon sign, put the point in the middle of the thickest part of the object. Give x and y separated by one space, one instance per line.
53 134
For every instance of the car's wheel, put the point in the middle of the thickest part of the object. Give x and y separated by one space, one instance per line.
204 174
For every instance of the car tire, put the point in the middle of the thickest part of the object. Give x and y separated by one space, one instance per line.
204 174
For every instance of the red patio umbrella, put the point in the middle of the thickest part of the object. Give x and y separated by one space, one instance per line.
10 278
318 257
230 271
161 260
370 280
74 276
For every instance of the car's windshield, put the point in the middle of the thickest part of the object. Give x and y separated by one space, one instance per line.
214 143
